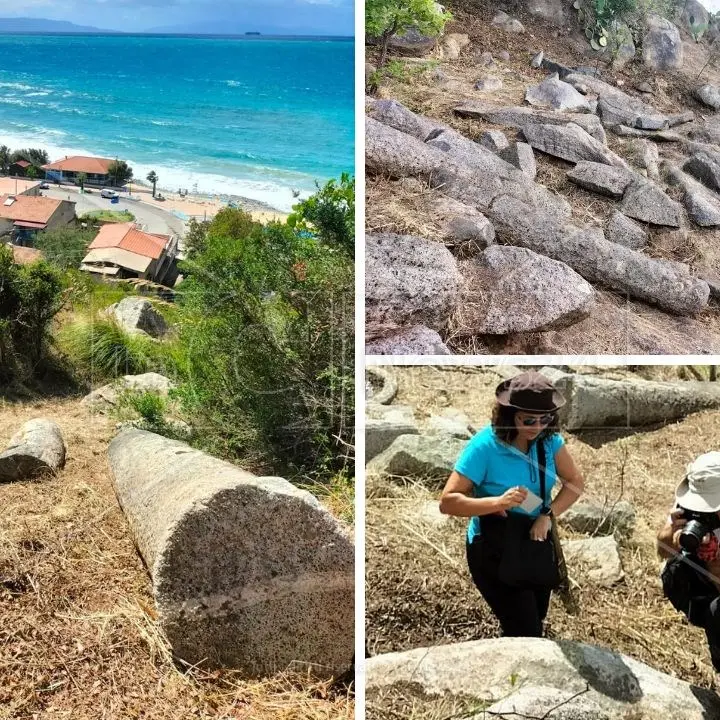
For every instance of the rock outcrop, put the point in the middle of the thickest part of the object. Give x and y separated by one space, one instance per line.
531 677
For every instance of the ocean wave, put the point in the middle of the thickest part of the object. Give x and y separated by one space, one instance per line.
233 83
274 188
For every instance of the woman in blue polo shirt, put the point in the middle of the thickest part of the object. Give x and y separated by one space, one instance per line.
496 473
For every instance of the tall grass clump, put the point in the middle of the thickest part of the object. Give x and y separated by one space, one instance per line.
101 350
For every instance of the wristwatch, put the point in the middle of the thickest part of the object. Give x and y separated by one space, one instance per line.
546 511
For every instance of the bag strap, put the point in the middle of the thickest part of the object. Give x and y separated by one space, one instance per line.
541 469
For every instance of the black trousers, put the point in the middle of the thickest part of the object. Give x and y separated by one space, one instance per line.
521 612
712 631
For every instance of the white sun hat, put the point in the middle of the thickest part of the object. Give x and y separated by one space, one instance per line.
700 490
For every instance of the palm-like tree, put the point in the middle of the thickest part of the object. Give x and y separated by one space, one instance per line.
81 178
153 178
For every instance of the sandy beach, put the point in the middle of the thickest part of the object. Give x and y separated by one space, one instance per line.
202 206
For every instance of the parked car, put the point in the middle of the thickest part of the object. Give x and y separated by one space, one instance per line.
108 193
44 185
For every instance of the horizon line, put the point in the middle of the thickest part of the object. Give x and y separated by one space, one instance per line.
249 35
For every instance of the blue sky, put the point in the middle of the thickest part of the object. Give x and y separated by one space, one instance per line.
293 16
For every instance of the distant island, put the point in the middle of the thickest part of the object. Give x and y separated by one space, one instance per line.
40 25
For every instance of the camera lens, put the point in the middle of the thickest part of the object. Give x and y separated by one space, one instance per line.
692 535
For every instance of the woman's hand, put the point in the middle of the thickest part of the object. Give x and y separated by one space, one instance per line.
511 498
541 527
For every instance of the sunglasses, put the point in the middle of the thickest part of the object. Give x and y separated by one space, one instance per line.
542 420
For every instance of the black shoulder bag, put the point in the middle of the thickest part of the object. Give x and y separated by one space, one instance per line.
528 563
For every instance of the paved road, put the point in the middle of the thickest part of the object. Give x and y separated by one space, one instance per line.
156 219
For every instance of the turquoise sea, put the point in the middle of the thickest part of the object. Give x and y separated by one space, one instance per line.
253 117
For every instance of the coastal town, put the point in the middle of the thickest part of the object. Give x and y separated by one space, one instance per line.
139 232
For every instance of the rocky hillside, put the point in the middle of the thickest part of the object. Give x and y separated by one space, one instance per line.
530 194
418 590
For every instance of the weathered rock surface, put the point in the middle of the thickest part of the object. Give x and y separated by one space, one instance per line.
594 402
554 93
494 140
452 423
709 95
234 558
647 156
409 281
596 560
617 107
381 385
512 289
695 17
534 677
415 340
462 225
429 458
705 166
647 202
385 423
521 155
452 45
702 205
507 23
621 229
463 169
396 115
662 46
551 11
136 314
587 516
413 42
621 44
488 84
107 396
601 178
37 448
570 143
597 259
522 117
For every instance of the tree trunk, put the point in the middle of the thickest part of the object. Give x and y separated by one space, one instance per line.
385 40
713 373
153 190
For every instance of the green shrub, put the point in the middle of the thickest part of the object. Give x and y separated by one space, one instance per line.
385 18
30 297
267 336
65 247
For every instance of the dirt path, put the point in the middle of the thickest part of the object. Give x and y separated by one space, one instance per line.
78 637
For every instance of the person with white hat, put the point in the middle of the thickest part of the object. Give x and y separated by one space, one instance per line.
503 482
690 542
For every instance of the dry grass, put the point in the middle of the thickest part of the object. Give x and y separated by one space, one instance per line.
401 207
417 585
78 637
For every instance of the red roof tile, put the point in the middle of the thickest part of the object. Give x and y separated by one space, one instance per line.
81 163
29 208
127 237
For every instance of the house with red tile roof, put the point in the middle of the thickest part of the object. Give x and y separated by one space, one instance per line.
67 169
21 216
123 250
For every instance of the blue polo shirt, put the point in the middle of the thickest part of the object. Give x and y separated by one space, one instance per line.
494 467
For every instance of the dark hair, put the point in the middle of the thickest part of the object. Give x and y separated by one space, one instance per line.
503 424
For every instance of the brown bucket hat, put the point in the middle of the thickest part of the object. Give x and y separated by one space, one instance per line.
530 391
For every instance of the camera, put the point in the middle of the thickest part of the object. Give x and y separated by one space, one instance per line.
698 526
